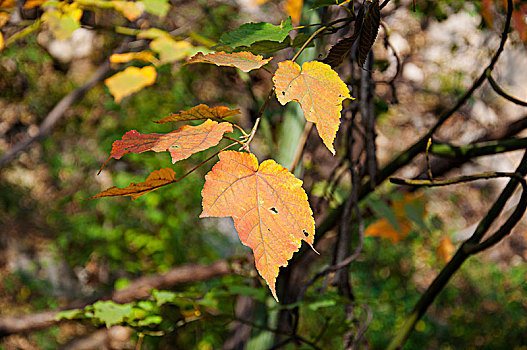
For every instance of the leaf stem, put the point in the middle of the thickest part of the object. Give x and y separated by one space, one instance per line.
257 122
318 31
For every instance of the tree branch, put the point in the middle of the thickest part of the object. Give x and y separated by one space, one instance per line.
469 247
137 289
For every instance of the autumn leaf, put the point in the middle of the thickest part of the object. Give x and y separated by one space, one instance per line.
200 112
145 56
129 81
293 8
398 230
4 17
63 23
268 205
33 3
181 143
2 43
486 12
445 249
318 89
245 61
130 9
157 179
170 50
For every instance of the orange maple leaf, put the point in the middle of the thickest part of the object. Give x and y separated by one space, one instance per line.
200 112
245 61
181 143
268 205
319 91
156 179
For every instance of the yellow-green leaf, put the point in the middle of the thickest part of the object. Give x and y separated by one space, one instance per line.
129 81
319 91
245 61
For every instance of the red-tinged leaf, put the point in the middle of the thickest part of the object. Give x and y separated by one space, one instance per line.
319 91
519 23
487 13
181 143
268 205
200 112
245 61
156 179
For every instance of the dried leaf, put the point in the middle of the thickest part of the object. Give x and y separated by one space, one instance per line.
268 205
519 23
341 50
129 81
369 30
155 180
245 61
200 112
181 143
249 33
487 13
293 8
319 91
7 4
145 56
445 249
130 9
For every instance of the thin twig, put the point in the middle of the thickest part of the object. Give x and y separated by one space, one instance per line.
427 155
501 92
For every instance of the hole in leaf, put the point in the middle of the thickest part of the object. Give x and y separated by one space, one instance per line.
305 233
273 209
283 93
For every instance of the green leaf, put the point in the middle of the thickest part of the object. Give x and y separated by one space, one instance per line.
250 33
156 7
322 303
69 314
256 293
163 296
150 320
415 212
111 313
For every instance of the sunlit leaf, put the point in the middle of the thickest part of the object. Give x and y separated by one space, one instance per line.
245 61
2 43
157 179
250 33
325 3
129 81
130 9
319 91
200 112
156 7
293 8
145 56
181 143
7 4
268 205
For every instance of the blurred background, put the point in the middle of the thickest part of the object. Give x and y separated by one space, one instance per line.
60 250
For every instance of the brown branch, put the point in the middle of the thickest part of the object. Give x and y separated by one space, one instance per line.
60 108
138 289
